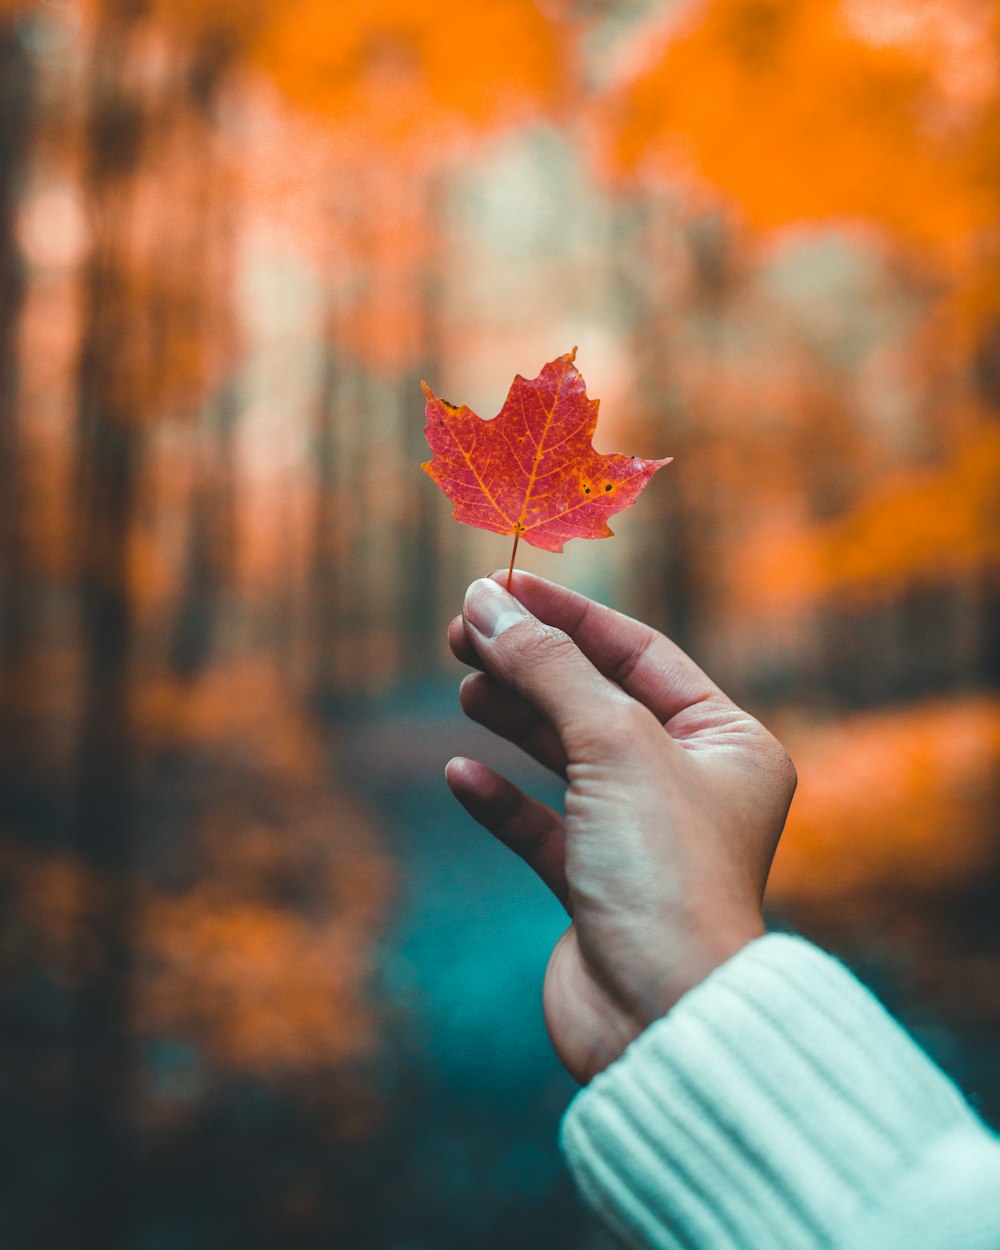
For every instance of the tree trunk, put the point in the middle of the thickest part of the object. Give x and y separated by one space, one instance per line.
421 588
325 572
110 419
211 542
15 128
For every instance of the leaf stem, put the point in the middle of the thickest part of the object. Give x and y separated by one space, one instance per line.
510 571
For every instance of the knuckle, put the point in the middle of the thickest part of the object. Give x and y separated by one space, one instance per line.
791 773
543 645
618 725
783 766
637 721
627 665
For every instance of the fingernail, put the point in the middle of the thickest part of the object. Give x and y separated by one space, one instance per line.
490 609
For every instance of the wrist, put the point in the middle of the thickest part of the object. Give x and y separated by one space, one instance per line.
693 958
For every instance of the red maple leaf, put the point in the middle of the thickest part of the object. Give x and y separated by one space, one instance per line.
532 470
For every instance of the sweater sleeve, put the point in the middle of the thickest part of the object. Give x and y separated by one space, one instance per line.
778 1105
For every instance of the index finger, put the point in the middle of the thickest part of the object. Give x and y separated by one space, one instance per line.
645 663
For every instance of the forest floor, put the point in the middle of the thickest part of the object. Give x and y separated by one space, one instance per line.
463 958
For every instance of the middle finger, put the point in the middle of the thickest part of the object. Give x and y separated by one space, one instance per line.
505 713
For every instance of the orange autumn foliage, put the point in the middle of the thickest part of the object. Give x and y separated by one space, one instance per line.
919 524
916 525
47 913
223 25
259 957
254 985
806 110
898 800
246 706
412 78
263 960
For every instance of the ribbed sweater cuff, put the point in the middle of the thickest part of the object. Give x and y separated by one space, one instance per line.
777 1105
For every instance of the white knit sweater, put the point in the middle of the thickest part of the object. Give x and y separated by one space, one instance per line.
779 1106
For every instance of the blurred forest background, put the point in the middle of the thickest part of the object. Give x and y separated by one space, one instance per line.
263 983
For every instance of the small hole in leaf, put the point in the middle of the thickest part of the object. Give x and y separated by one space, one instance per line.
586 490
608 487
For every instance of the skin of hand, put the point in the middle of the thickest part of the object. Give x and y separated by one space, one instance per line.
675 802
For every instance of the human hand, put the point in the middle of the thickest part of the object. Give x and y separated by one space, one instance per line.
676 799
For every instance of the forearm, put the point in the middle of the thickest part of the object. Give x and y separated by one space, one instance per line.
779 1105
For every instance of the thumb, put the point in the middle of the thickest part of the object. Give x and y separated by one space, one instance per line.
595 719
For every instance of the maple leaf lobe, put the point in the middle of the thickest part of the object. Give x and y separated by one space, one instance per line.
532 470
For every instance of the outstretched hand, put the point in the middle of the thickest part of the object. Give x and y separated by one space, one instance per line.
675 803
